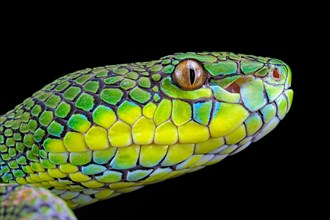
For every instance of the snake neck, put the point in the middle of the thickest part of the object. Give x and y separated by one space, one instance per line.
2 146
10 139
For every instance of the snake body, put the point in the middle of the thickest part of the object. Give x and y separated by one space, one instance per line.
100 132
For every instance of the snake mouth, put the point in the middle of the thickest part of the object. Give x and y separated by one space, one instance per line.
254 93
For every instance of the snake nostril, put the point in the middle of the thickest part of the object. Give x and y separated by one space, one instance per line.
276 74
233 88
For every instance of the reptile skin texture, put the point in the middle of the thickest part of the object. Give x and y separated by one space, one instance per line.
101 132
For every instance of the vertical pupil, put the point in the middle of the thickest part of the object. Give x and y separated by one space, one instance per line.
192 75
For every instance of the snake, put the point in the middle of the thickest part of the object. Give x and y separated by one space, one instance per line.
101 132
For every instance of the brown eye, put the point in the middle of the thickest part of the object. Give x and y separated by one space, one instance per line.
189 75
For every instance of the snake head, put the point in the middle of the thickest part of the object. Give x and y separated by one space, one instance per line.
109 130
239 97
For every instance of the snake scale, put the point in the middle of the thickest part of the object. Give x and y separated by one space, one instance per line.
100 132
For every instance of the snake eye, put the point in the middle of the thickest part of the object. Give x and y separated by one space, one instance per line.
189 75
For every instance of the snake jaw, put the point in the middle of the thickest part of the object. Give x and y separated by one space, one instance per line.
265 94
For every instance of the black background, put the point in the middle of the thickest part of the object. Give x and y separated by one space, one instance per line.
266 180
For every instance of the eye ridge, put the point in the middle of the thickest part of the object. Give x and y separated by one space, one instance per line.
192 75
